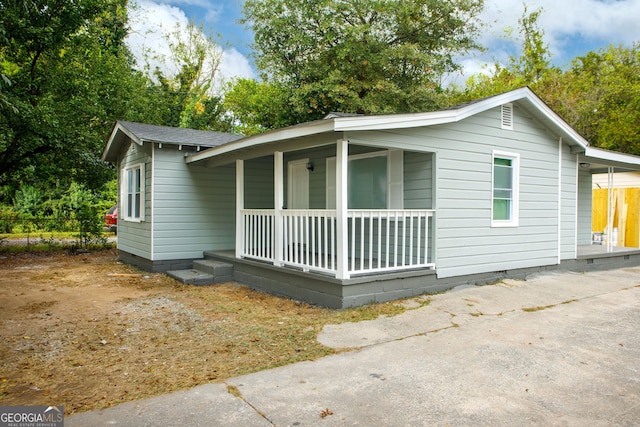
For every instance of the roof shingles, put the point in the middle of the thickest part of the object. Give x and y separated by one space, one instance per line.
178 136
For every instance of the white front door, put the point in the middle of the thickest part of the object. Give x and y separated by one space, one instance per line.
298 185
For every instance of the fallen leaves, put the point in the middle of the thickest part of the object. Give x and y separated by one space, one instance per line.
325 413
131 336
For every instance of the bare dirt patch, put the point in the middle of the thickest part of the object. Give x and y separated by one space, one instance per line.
87 331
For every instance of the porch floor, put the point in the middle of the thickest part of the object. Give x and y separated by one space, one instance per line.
591 251
325 290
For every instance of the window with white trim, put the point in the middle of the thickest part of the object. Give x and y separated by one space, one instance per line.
375 180
505 187
133 194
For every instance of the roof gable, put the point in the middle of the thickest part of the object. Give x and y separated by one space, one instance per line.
140 133
523 97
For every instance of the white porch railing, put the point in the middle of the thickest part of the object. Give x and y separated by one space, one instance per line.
378 240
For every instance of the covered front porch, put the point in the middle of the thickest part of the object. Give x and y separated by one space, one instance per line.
352 235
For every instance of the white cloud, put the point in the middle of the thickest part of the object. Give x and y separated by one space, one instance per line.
595 23
470 67
149 23
235 64
571 27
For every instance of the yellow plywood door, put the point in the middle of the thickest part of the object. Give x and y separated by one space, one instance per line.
632 228
599 210
626 214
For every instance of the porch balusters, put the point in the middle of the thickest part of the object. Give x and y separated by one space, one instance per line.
379 240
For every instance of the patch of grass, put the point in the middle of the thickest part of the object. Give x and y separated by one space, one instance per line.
539 308
149 335
233 390
55 242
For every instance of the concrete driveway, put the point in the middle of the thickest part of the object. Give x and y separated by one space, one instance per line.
557 349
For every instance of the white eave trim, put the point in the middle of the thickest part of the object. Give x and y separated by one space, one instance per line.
119 128
298 131
398 121
612 156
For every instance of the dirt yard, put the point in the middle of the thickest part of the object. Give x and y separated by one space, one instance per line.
87 332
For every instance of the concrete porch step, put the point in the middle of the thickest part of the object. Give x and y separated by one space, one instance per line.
204 272
219 269
192 277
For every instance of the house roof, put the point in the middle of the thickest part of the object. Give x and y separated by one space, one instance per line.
141 133
525 97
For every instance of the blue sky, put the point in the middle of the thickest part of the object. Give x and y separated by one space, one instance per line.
572 28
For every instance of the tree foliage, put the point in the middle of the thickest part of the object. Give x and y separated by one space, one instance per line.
533 67
70 79
257 107
599 95
371 56
186 97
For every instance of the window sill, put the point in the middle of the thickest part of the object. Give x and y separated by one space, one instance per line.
135 220
504 224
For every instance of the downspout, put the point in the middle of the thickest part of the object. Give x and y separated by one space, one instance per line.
559 200
610 172
153 199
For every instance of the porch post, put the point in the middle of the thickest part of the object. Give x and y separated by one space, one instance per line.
239 207
278 203
342 227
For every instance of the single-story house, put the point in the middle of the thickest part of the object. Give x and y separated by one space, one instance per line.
355 208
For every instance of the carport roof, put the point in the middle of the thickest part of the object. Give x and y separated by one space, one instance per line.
597 160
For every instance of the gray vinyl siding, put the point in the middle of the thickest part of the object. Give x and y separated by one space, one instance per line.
194 207
584 207
418 180
466 242
258 183
135 237
569 193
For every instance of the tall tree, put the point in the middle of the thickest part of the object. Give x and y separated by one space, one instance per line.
600 97
257 107
372 56
70 79
186 89
532 67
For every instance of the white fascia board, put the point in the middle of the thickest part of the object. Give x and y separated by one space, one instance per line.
399 121
564 127
291 132
130 134
118 128
395 121
612 156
